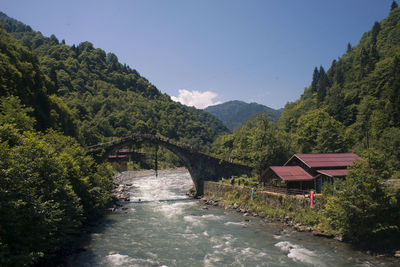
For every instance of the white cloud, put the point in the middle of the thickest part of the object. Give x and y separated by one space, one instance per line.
196 98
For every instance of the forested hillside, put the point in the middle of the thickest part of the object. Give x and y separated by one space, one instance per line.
236 113
21 76
355 104
108 99
55 98
48 187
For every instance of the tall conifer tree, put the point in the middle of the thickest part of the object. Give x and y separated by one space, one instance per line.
349 48
394 5
322 85
315 79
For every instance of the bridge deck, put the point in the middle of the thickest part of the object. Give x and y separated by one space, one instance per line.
152 138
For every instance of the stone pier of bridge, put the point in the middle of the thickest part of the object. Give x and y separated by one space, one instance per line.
202 167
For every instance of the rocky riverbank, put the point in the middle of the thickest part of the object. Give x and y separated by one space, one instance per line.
286 222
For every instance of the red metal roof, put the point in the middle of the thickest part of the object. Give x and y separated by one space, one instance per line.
327 160
124 150
117 156
334 173
291 173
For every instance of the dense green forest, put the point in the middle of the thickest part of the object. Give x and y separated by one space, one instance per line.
55 99
108 99
354 106
258 143
48 187
235 113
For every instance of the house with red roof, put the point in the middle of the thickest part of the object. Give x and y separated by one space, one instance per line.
309 171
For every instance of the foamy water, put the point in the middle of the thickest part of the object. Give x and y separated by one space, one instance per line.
166 228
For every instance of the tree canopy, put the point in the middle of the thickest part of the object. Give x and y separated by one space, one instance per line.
355 104
106 98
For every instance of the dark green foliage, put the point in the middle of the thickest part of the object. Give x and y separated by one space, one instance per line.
349 48
317 132
14 113
394 5
361 209
258 143
360 91
20 75
109 99
355 106
315 79
48 188
235 113
322 84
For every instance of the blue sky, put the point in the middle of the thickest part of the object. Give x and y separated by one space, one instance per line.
208 51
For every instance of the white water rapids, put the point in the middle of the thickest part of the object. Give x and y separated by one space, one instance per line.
166 228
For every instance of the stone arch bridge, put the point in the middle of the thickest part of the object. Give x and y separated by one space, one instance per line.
202 167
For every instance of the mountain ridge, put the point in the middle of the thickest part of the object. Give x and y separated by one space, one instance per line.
109 99
236 112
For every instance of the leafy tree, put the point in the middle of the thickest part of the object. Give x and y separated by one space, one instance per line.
223 146
13 112
258 143
389 143
361 93
45 200
98 98
268 144
317 132
39 208
21 76
362 211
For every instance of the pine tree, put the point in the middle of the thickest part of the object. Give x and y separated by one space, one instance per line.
349 48
375 30
322 85
394 5
315 79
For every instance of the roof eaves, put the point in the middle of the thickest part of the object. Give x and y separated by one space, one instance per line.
283 178
295 155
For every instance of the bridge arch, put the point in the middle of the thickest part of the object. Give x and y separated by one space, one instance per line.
202 167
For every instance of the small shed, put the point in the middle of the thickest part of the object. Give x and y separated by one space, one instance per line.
294 177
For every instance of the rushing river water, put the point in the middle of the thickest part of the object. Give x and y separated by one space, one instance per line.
166 228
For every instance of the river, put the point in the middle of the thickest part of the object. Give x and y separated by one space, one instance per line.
166 228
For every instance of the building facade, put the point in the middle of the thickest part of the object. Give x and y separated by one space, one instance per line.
309 171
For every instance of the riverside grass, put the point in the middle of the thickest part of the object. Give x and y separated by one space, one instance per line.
271 205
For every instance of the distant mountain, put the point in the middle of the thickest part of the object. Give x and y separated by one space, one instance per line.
235 113
105 98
